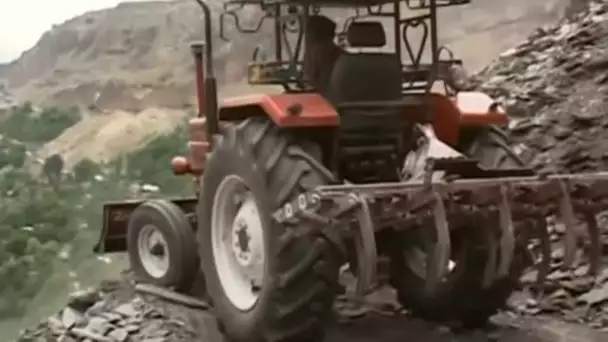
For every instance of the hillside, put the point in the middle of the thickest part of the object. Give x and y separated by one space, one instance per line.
135 55
127 57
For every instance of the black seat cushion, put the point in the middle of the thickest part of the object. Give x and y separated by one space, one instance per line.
358 77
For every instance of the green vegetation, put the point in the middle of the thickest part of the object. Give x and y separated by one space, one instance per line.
29 126
151 164
50 223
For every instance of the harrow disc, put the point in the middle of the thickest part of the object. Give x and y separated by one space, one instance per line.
463 293
505 207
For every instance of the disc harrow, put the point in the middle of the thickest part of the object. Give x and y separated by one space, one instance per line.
512 204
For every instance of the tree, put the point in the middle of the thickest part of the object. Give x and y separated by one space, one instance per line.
85 170
12 154
52 168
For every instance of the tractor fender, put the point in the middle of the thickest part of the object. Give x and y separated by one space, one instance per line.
285 110
116 215
466 109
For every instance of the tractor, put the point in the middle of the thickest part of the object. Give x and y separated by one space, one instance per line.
365 160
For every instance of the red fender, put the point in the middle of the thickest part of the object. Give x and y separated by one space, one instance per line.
466 109
286 110
312 110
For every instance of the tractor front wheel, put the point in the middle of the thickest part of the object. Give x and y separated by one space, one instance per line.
266 281
161 245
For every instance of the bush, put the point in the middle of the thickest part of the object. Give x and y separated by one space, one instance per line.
85 170
52 169
152 163
35 224
26 125
11 153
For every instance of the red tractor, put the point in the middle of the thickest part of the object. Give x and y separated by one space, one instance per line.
359 161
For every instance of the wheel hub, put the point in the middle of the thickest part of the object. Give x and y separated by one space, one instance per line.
247 244
238 242
157 250
153 251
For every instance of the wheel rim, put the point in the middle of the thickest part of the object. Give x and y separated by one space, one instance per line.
416 258
153 251
237 241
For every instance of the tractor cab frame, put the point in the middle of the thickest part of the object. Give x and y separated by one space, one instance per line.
418 74
379 93
289 18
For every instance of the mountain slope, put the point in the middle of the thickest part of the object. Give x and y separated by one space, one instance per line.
136 55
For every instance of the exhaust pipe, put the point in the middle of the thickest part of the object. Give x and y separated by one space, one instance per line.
206 124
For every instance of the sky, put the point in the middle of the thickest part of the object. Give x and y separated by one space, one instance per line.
22 22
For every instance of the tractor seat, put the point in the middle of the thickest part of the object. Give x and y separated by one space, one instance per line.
366 76
366 84
365 88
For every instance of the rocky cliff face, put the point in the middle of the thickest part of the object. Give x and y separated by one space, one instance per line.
131 57
135 55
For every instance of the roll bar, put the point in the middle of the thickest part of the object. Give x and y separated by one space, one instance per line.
203 51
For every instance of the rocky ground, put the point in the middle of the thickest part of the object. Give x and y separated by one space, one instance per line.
570 295
125 311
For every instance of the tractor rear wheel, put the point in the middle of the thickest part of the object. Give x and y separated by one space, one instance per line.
492 148
461 297
266 281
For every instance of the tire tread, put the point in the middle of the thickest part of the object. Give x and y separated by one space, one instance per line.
306 262
464 300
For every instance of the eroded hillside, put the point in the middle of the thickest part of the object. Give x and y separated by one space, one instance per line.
135 55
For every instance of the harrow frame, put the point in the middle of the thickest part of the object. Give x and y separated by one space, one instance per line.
446 195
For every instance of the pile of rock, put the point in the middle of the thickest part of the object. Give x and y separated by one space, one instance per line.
555 85
573 295
121 311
